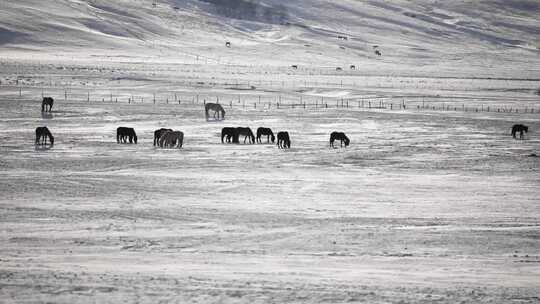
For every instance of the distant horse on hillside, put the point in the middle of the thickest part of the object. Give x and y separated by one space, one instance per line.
42 133
217 108
228 44
339 136
339 69
519 128
247 133
123 134
47 102
353 67
294 66
265 131
378 53
283 140
158 133
231 135
171 139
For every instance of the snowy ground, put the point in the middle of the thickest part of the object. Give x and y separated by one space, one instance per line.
423 206
434 202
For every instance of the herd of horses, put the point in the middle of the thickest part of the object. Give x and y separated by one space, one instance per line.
168 138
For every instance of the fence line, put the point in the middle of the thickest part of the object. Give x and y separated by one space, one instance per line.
255 101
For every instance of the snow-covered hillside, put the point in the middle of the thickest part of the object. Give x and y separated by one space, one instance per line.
407 33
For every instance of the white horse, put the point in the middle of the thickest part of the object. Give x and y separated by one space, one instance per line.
217 108
171 139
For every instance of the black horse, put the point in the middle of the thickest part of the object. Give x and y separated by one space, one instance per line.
231 135
265 131
158 133
283 140
47 102
123 134
519 128
339 136
247 133
42 133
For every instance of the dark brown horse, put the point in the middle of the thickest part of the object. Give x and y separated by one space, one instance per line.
158 133
339 136
47 102
247 133
123 134
519 128
230 134
283 140
42 133
265 132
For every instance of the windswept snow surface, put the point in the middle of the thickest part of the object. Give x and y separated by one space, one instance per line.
434 202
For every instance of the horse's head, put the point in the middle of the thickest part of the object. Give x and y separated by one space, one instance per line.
526 129
347 141
51 138
272 137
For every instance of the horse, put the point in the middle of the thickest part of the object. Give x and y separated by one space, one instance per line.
283 140
41 136
294 66
158 133
353 67
339 69
247 133
519 128
230 133
217 108
265 131
47 102
123 134
339 136
378 53
228 44
171 139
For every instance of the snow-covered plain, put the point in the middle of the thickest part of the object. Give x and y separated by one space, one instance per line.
432 203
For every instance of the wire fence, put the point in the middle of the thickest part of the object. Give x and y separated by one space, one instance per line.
249 100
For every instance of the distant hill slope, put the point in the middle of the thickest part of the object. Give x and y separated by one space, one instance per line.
410 33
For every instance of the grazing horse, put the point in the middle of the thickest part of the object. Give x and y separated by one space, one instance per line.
158 133
519 128
41 136
339 69
247 133
283 140
294 66
339 136
47 102
217 108
265 131
123 134
230 133
378 53
171 139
